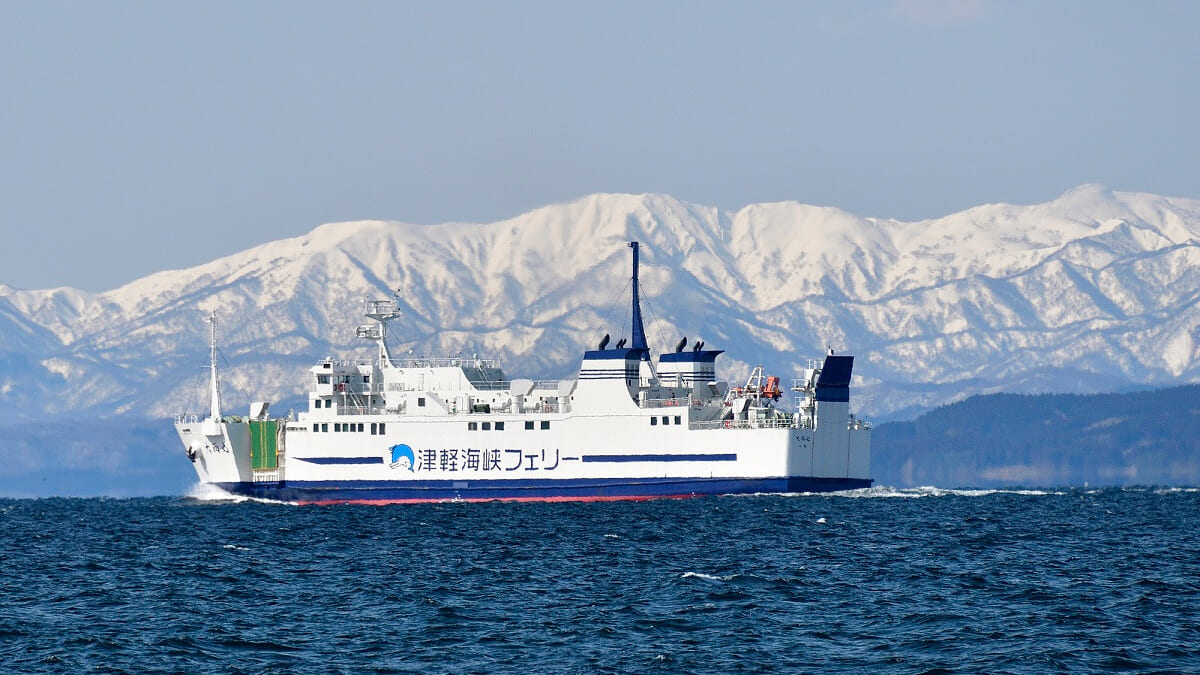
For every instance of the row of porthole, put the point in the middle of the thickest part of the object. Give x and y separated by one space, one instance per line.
499 426
666 420
339 427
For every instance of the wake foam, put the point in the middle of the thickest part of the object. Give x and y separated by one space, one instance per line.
207 492
884 491
1175 490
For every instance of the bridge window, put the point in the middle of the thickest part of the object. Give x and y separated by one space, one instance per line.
322 379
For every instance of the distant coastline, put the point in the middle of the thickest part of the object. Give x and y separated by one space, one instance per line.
998 440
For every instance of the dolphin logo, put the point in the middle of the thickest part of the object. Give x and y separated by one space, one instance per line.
403 457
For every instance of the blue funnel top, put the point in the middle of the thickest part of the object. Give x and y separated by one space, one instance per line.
639 331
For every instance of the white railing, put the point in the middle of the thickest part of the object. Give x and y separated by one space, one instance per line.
502 385
358 410
670 403
420 362
546 407
776 423
344 363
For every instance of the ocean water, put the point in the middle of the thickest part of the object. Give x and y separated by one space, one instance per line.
880 580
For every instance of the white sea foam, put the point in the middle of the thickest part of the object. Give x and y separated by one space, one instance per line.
933 491
707 577
205 492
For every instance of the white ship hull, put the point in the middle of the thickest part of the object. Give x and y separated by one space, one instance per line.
594 457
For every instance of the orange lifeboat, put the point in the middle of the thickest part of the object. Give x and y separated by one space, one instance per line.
772 388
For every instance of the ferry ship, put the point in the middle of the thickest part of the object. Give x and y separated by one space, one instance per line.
628 426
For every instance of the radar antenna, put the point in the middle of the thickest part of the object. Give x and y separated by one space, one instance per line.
379 311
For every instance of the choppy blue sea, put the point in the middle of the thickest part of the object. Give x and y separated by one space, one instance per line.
882 580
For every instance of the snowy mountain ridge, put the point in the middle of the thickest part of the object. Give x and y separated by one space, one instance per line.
1093 291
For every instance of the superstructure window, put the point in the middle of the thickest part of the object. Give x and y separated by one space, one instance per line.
545 425
322 379
653 421
666 420
337 426
374 428
529 425
677 418
499 426
325 427
420 401
382 428
487 426
472 426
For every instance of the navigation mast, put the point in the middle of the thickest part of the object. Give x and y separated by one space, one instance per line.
379 311
215 405
639 331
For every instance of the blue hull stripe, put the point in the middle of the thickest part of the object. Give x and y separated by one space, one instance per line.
661 458
547 489
341 460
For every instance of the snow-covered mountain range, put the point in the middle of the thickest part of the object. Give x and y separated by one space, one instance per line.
1093 291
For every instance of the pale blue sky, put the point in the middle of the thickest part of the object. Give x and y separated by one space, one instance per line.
139 136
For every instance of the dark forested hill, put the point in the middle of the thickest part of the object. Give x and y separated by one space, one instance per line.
1145 438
